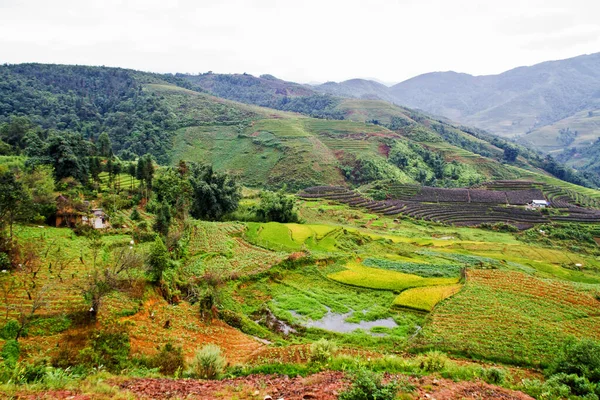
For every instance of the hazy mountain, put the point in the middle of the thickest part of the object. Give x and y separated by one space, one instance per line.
359 88
515 102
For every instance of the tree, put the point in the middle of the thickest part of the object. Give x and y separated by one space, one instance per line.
104 146
162 222
95 168
131 170
145 170
104 273
213 194
14 201
68 153
510 153
276 207
173 188
158 260
14 132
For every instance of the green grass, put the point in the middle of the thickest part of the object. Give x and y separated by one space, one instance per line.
425 298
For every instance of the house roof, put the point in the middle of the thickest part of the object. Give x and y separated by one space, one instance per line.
540 202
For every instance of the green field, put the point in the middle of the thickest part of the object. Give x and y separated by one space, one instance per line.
374 278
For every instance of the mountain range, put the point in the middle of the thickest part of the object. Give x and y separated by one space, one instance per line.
534 105
266 131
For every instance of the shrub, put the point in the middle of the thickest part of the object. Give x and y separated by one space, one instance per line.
33 372
367 385
548 390
108 348
169 360
578 385
580 358
322 350
158 260
433 361
10 329
208 362
4 261
10 352
494 375
135 215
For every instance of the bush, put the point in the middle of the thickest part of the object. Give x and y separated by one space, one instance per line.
169 360
322 350
494 375
4 261
549 390
10 329
580 358
433 361
10 352
208 362
578 385
276 207
367 385
135 215
108 348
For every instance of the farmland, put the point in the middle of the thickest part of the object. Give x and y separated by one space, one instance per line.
495 202
512 317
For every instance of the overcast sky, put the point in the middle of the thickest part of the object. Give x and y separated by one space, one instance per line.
302 40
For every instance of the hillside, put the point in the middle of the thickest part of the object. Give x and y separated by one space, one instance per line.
172 118
532 103
412 261
359 88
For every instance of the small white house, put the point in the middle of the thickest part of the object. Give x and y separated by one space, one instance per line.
539 203
97 219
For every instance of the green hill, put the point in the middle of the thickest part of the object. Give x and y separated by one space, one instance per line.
173 118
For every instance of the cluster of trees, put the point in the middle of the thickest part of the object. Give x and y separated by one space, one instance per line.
89 101
25 196
267 91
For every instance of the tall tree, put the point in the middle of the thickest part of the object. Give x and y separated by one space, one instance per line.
104 146
213 194
14 201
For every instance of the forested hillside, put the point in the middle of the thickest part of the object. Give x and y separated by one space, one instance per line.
63 115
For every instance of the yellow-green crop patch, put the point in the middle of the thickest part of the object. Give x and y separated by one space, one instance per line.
375 278
425 298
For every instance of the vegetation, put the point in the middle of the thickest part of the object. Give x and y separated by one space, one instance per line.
117 259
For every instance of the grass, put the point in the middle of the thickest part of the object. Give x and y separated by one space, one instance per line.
375 278
425 298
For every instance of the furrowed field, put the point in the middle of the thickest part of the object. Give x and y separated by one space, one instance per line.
512 317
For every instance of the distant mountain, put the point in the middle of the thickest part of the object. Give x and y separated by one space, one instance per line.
553 106
359 88
513 103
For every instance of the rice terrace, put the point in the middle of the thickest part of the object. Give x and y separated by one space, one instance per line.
230 236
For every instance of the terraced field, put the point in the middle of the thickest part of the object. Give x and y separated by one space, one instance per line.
218 247
497 202
511 317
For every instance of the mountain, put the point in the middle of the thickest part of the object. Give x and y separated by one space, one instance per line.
535 105
355 142
528 102
359 88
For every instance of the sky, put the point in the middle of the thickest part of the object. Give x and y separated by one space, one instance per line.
302 41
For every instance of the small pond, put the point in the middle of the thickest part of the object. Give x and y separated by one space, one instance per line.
337 323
